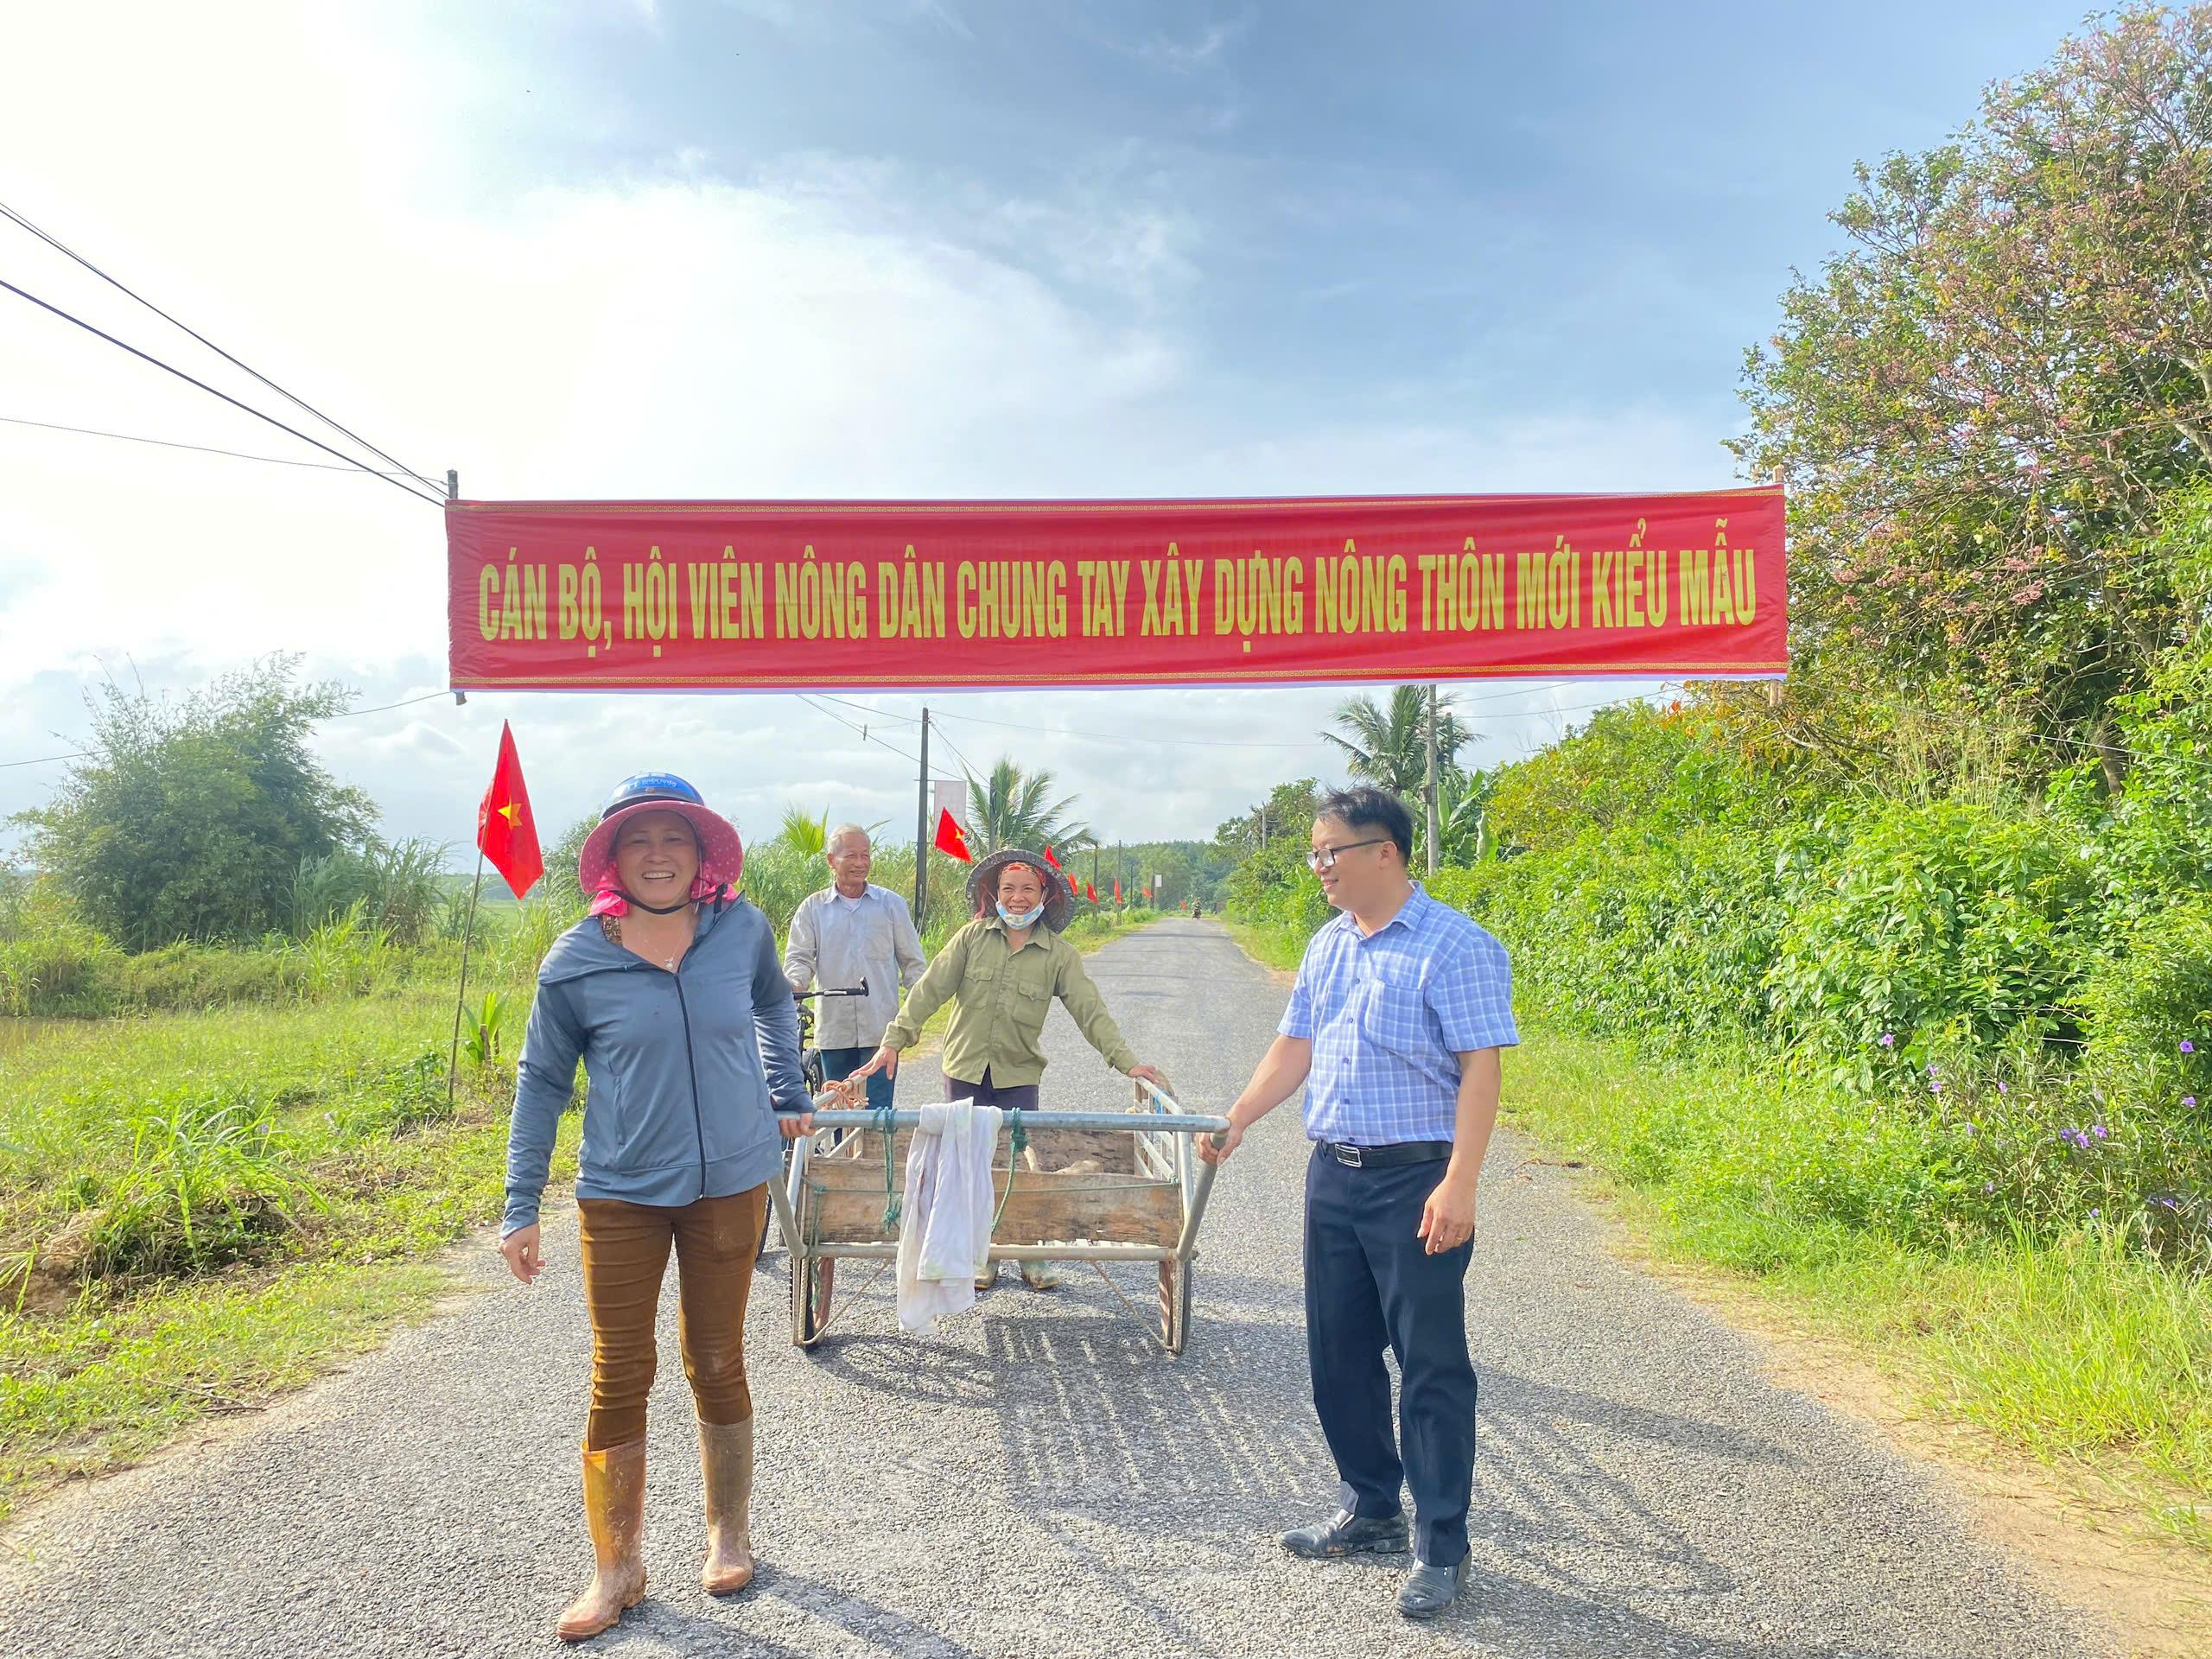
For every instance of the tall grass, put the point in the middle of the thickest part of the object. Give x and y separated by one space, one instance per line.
2070 1343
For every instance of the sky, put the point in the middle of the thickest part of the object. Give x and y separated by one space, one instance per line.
885 248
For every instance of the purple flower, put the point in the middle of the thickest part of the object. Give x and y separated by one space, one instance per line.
2097 1129
1934 1085
1888 1040
2189 1100
2093 1214
1931 1068
2002 1089
1989 1186
2188 1047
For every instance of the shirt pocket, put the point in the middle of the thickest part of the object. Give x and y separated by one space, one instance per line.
1393 1014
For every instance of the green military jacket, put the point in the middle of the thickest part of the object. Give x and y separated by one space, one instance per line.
999 997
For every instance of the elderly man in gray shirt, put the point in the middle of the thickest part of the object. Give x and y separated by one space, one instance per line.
849 931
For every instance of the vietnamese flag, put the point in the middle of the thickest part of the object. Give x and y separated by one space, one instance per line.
949 841
1091 893
1050 859
1117 889
506 834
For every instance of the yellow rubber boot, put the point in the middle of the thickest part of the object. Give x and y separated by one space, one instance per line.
726 1461
614 1508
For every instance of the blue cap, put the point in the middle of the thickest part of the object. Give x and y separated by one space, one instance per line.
647 787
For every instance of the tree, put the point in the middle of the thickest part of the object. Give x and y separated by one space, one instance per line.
1462 816
1014 808
809 837
1981 403
1389 747
191 819
1288 810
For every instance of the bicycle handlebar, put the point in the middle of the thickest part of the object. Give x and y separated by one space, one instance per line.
860 989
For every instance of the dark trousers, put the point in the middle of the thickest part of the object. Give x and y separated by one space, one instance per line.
1371 1284
838 1064
1022 1099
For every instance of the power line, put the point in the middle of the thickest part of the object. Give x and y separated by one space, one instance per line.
148 357
867 736
966 765
58 247
349 714
884 713
201 449
46 759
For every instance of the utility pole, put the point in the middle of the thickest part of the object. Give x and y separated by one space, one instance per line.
1428 791
922 830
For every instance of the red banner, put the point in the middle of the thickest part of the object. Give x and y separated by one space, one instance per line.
664 595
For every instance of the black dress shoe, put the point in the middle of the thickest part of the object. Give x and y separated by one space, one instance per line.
1428 1589
1346 1533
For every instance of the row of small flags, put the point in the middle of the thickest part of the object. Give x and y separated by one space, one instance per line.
506 833
952 841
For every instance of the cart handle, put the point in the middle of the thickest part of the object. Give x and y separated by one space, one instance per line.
1132 1122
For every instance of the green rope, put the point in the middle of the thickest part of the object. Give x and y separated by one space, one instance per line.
1012 1161
891 1199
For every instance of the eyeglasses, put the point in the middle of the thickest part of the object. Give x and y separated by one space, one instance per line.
1325 858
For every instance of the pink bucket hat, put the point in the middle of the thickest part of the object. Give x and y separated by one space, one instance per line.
722 855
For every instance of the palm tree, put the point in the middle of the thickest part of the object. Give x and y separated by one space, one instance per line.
1014 808
806 836
1389 749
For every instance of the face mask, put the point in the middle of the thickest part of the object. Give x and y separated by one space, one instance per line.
1027 918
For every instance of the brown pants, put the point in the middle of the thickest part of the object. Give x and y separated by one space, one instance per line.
625 1252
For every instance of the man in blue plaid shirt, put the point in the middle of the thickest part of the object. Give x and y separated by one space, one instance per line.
1394 1026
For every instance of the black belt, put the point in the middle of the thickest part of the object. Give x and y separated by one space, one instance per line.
1398 1152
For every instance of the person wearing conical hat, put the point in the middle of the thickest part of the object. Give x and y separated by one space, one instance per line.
671 993
1000 972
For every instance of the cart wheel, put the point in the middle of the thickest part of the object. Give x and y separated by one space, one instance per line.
1174 1304
812 1279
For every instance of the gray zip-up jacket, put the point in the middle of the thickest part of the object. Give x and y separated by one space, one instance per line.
688 1068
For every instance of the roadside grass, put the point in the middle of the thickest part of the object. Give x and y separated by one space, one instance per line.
2091 1357
1272 944
147 1288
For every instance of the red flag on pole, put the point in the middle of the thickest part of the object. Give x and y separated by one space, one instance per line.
1117 889
1091 893
1050 859
949 841
505 832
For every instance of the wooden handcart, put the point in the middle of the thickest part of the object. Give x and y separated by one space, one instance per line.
837 1205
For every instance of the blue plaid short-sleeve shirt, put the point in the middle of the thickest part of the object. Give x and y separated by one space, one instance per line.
1390 1014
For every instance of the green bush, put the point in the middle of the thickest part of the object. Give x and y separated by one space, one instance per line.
2146 997
1932 930
64 969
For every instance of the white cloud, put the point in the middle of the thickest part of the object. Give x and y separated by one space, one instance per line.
313 191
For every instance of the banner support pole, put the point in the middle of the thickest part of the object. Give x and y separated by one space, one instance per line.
460 992
1428 790
922 829
453 493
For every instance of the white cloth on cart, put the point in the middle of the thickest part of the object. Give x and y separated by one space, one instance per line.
944 1218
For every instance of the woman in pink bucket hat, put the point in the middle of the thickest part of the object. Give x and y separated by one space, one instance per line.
671 993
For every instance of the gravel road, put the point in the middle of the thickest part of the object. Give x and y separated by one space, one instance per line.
1042 1480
